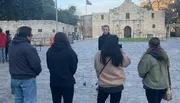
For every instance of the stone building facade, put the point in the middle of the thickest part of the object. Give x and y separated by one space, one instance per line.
40 28
127 21
86 25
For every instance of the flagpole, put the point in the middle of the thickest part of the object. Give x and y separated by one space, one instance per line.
86 7
56 17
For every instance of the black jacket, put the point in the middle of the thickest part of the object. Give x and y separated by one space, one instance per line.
8 41
62 64
24 62
101 40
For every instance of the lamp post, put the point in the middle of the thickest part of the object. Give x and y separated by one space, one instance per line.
56 16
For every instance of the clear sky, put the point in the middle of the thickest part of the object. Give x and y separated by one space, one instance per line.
97 5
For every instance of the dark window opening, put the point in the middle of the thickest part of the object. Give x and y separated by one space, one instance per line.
127 15
153 26
39 30
102 17
152 15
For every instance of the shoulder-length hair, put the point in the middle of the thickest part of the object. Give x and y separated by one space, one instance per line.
61 38
155 48
111 49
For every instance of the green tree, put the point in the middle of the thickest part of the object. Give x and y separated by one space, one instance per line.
49 10
24 9
68 15
62 16
72 13
72 9
36 10
175 10
31 9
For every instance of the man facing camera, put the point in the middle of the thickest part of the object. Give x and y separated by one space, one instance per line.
104 36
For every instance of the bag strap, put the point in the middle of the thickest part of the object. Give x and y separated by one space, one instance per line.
169 77
104 67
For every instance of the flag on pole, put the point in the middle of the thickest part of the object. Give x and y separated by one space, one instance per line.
88 2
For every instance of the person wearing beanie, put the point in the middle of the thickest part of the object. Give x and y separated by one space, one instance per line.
24 66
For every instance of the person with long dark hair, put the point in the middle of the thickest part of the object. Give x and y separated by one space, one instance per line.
153 68
109 64
62 64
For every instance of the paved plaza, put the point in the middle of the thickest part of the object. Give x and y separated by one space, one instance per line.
133 92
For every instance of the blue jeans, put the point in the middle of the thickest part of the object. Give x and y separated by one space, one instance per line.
2 55
25 90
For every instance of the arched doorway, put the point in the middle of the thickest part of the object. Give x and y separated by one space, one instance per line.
127 32
173 32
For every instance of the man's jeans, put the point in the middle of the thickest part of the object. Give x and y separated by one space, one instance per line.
25 90
2 55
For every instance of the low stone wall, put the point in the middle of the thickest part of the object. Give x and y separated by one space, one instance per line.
40 28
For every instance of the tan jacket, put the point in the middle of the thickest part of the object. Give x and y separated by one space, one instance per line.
111 76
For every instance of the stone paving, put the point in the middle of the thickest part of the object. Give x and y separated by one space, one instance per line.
133 92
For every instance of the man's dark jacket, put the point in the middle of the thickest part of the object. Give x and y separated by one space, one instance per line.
24 62
101 40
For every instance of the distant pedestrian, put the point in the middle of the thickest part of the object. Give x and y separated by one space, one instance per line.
153 68
109 64
24 66
3 41
62 64
8 36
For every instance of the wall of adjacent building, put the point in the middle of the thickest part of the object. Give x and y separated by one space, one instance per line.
40 28
86 23
158 21
97 22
